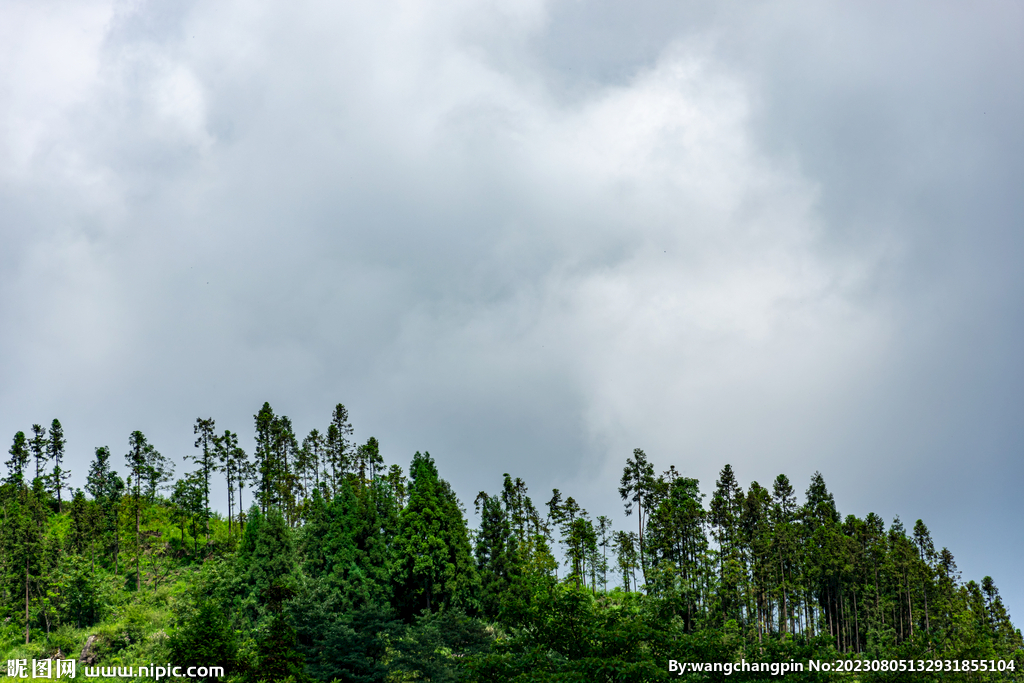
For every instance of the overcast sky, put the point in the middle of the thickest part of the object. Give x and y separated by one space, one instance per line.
531 236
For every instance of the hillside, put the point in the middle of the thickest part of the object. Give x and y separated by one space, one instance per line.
344 567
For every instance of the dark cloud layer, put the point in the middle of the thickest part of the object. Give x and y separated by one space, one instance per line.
530 237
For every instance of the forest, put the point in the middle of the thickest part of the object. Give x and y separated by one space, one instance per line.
330 564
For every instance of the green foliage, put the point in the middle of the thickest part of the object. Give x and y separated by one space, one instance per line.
203 637
433 565
438 646
350 645
59 477
77 593
498 561
18 463
277 658
347 571
265 562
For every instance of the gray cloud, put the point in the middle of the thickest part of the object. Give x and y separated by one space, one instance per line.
530 237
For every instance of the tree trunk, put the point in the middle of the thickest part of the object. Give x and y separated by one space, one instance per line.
927 623
784 614
910 609
878 604
26 600
138 542
856 623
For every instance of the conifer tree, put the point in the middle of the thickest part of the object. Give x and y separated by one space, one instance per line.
820 526
159 471
755 538
18 463
495 552
313 457
635 489
206 459
188 505
266 558
136 458
724 513
231 459
263 458
106 488
338 446
926 559
604 532
397 483
368 459
40 449
784 548
434 565
22 555
55 453
285 449
626 554
80 533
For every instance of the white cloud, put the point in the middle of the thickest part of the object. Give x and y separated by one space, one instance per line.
413 207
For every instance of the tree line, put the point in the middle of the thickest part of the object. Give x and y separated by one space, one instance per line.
344 568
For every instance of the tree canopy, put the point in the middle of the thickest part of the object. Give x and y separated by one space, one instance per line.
347 568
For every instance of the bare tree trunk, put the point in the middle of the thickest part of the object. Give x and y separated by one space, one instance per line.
26 599
927 623
138 544
910 608
856 623
878 605
784 615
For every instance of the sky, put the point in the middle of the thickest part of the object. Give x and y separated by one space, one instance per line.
531 236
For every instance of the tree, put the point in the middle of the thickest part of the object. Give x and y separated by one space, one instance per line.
206 459
496 556
266 561
55 452
136 458
19 461
676 541
433 563
313 455
263 457
106 488
188 505
635 488
784 548
368 459
99 480
397 483
203 638
338 446
40 449
159 472
277 657
926 559
577 534
625 550
231 459
822 557
755 537
247 474
604 530
285 451
725 509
